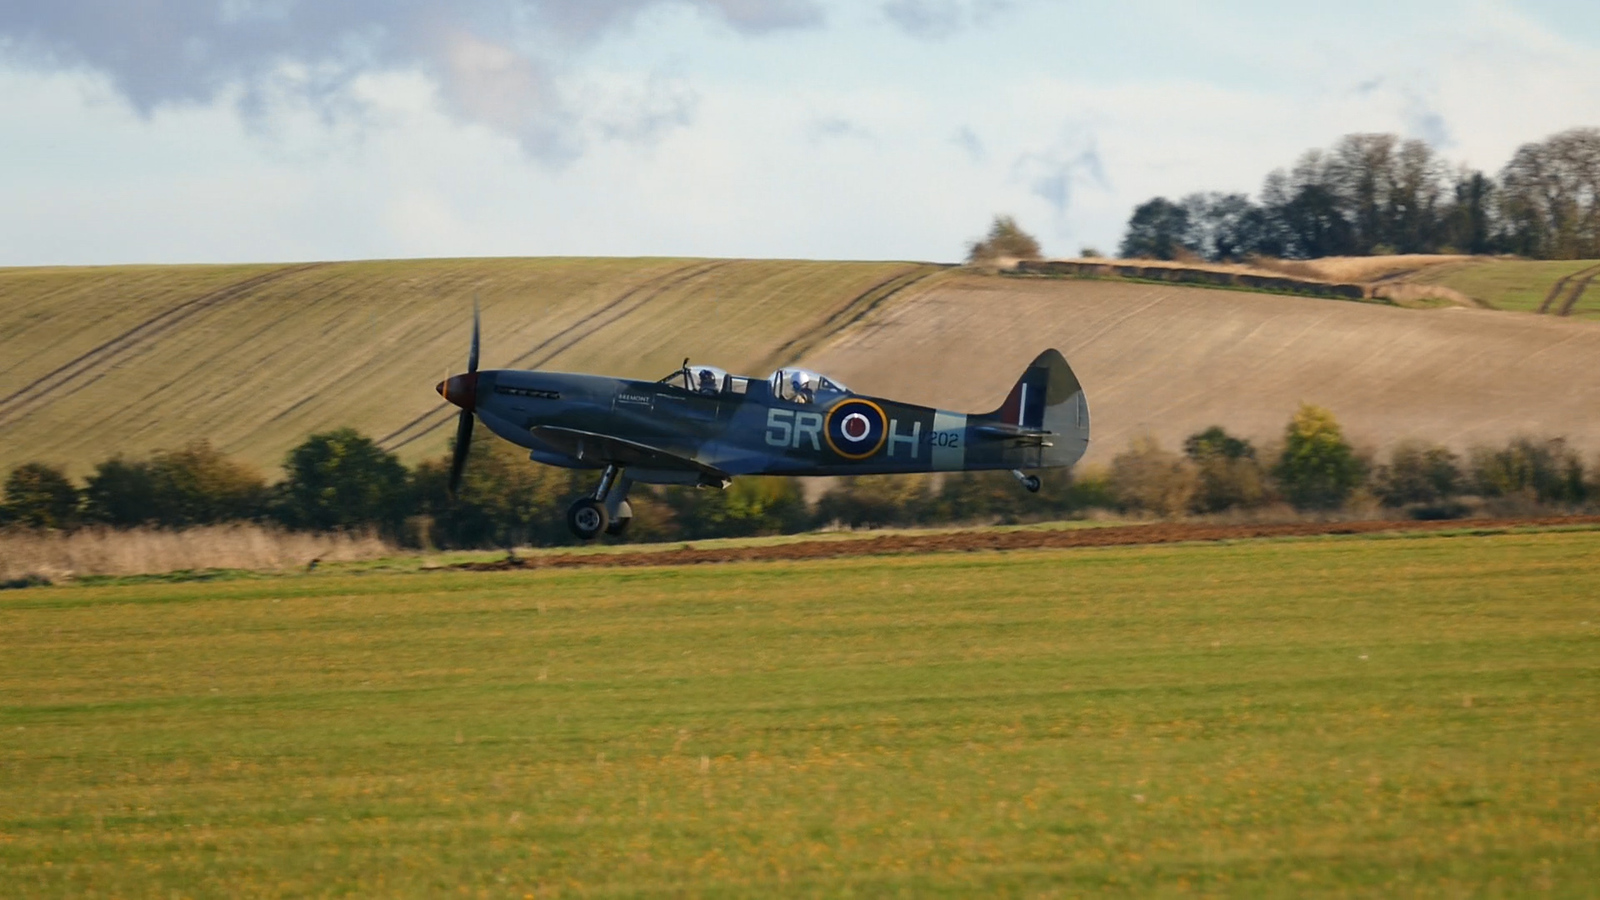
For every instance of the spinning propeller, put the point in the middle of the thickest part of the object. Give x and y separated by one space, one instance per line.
462 390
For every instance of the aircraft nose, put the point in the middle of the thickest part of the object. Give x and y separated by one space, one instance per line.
462 390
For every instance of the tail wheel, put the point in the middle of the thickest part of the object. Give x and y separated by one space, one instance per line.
1032 484
587 518
619 524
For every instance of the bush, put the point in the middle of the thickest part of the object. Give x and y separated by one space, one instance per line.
1229 473
1318 469
339 480
1543 470
1417 473
194 485
504 500
41 496
1006 239
874 501
1147 478
120 493
750 506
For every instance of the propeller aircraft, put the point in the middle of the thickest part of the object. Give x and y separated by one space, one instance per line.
701 425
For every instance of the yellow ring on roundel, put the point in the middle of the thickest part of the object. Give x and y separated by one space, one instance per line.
827 427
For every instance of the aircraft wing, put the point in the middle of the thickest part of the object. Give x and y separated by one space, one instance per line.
603 448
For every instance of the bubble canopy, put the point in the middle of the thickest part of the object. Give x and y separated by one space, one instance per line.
803 385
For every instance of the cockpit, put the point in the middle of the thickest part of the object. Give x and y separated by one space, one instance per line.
790 385
803 386
699 379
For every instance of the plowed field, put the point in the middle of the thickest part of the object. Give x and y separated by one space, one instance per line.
1171 361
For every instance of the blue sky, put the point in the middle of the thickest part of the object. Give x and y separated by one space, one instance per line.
265 130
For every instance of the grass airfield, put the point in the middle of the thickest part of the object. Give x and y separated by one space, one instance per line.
1344 716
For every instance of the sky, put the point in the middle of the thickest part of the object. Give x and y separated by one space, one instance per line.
172 131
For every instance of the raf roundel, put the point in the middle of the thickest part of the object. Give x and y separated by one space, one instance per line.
856 428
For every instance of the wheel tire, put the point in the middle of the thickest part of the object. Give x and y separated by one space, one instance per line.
1032 484
620 523
587 518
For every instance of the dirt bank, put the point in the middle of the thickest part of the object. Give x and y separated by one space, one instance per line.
996 539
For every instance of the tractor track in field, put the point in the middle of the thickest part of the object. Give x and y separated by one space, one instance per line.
71 374
544 351
1575 292
859 307
993 540
1561 286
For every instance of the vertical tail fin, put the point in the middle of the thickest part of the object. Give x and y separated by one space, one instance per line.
1047 398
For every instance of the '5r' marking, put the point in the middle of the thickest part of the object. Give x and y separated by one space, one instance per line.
785 428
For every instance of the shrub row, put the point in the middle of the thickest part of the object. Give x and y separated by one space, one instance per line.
341 480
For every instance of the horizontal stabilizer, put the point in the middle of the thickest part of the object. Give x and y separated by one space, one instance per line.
603 448
1002 431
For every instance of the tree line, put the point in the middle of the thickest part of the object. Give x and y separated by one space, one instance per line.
1373 194
341 480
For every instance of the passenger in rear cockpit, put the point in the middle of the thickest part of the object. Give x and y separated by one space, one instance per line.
802 390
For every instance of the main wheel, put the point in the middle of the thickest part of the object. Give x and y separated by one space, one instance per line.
1032 483
620 523
587 518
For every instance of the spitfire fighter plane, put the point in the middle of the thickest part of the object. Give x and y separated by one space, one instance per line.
701 425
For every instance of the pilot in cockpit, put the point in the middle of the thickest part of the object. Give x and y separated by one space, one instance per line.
708 381
802 389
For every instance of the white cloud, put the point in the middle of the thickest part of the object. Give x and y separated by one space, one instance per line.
676 135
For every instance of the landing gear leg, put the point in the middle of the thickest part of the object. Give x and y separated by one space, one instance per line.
618 510
1031 482
606 510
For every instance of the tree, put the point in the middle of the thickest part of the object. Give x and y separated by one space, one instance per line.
1318 469
1417 473
1467 226
1157 230
121 493
1550 196
1314 225
1545 470
41 496
1229 474
504 500
193 485
341 479
1006 239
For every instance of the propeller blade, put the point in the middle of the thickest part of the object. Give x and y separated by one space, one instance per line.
458 460
472 358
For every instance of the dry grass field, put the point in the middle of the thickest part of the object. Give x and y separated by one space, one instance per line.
132 359
1358 269
149 551
1172 360
1407 716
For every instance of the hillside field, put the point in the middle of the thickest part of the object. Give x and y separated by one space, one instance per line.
97 361
1522 285
1373 717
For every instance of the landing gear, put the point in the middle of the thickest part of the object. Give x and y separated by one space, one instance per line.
1031 482
620 519
606 510
587 518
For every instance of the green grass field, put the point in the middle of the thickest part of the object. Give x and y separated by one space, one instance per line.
1513 284
1339 716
